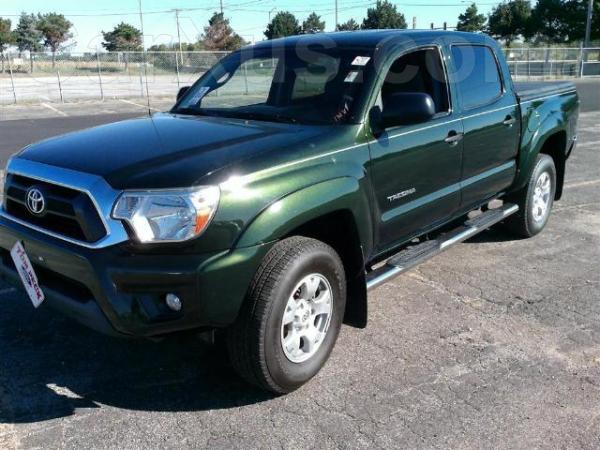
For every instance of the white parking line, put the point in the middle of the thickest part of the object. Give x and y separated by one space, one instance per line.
582 184
137 104
55 110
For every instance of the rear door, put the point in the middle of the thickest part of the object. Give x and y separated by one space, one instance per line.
416 168
489 112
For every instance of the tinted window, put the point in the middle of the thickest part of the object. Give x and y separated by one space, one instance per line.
286 84
248 85
476 74
419 71
312 80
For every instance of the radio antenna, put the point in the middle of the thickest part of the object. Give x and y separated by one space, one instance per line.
145 59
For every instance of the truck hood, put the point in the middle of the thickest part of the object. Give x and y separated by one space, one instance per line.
166 150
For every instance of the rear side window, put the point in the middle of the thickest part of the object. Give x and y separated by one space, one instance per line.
477 74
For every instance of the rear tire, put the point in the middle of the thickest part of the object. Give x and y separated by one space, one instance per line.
291 317
535 200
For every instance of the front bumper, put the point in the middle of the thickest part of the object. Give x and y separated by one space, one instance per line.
117 291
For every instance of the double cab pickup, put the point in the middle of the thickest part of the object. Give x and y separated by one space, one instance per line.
290 179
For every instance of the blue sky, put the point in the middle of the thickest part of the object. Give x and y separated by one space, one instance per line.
248 17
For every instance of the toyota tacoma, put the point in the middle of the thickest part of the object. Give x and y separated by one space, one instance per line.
290 179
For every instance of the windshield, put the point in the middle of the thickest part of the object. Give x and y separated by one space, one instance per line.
281 84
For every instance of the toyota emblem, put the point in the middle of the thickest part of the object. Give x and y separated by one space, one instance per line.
36 203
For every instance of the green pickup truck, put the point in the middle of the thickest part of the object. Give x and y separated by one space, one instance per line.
290 179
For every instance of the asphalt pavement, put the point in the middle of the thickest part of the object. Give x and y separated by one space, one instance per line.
493 344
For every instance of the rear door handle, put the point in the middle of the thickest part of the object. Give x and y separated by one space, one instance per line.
454 138
509 121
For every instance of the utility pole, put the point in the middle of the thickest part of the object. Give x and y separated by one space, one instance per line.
271 12
414 23
221 6
336 15
588 27
178 30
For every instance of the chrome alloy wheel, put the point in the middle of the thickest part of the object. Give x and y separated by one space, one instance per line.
541 197
306 318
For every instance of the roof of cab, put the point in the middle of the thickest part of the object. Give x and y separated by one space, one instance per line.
371 38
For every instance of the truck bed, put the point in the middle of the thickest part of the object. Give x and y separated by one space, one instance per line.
530 91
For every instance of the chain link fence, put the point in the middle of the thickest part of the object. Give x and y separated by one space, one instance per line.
73 77
38 78
553 63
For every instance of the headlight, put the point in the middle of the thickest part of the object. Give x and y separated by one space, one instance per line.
170 215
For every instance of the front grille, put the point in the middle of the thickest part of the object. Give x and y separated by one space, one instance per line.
69 212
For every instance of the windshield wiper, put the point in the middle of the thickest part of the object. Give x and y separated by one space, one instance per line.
190 111
261 116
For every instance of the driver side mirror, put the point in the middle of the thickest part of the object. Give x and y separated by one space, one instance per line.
406 108
182 92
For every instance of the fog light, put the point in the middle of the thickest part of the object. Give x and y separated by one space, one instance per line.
173 302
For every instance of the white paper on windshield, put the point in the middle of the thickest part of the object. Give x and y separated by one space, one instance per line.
361 60
351 77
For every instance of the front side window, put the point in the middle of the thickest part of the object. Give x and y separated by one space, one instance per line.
320 86
421 71
477 75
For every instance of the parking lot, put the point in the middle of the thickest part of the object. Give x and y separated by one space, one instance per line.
493 344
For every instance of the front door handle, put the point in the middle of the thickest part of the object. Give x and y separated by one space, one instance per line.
454 138
509 121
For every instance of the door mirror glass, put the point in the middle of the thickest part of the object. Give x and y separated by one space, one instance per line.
182 92
405 108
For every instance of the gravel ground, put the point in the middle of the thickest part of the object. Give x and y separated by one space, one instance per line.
493 344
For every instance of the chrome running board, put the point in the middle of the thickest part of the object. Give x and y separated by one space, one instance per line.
413 255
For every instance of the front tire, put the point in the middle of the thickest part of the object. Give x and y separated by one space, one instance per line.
291 317
535 200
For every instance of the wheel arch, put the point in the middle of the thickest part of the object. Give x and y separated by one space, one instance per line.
336 212
339 230
555 146
551 139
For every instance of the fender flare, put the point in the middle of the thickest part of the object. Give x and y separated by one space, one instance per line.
281 217
550 126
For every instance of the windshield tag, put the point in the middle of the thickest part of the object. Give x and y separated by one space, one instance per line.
351 77
361 60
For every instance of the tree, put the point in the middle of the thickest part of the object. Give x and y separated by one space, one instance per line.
470 20
283 24
28 37
550 21
313 24
560 21
383 15
577 18
219 35
510 19
55 29
350 25
123 38
6 38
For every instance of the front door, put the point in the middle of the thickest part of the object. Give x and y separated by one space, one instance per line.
416 168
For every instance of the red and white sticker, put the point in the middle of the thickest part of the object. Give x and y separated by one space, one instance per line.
27 274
